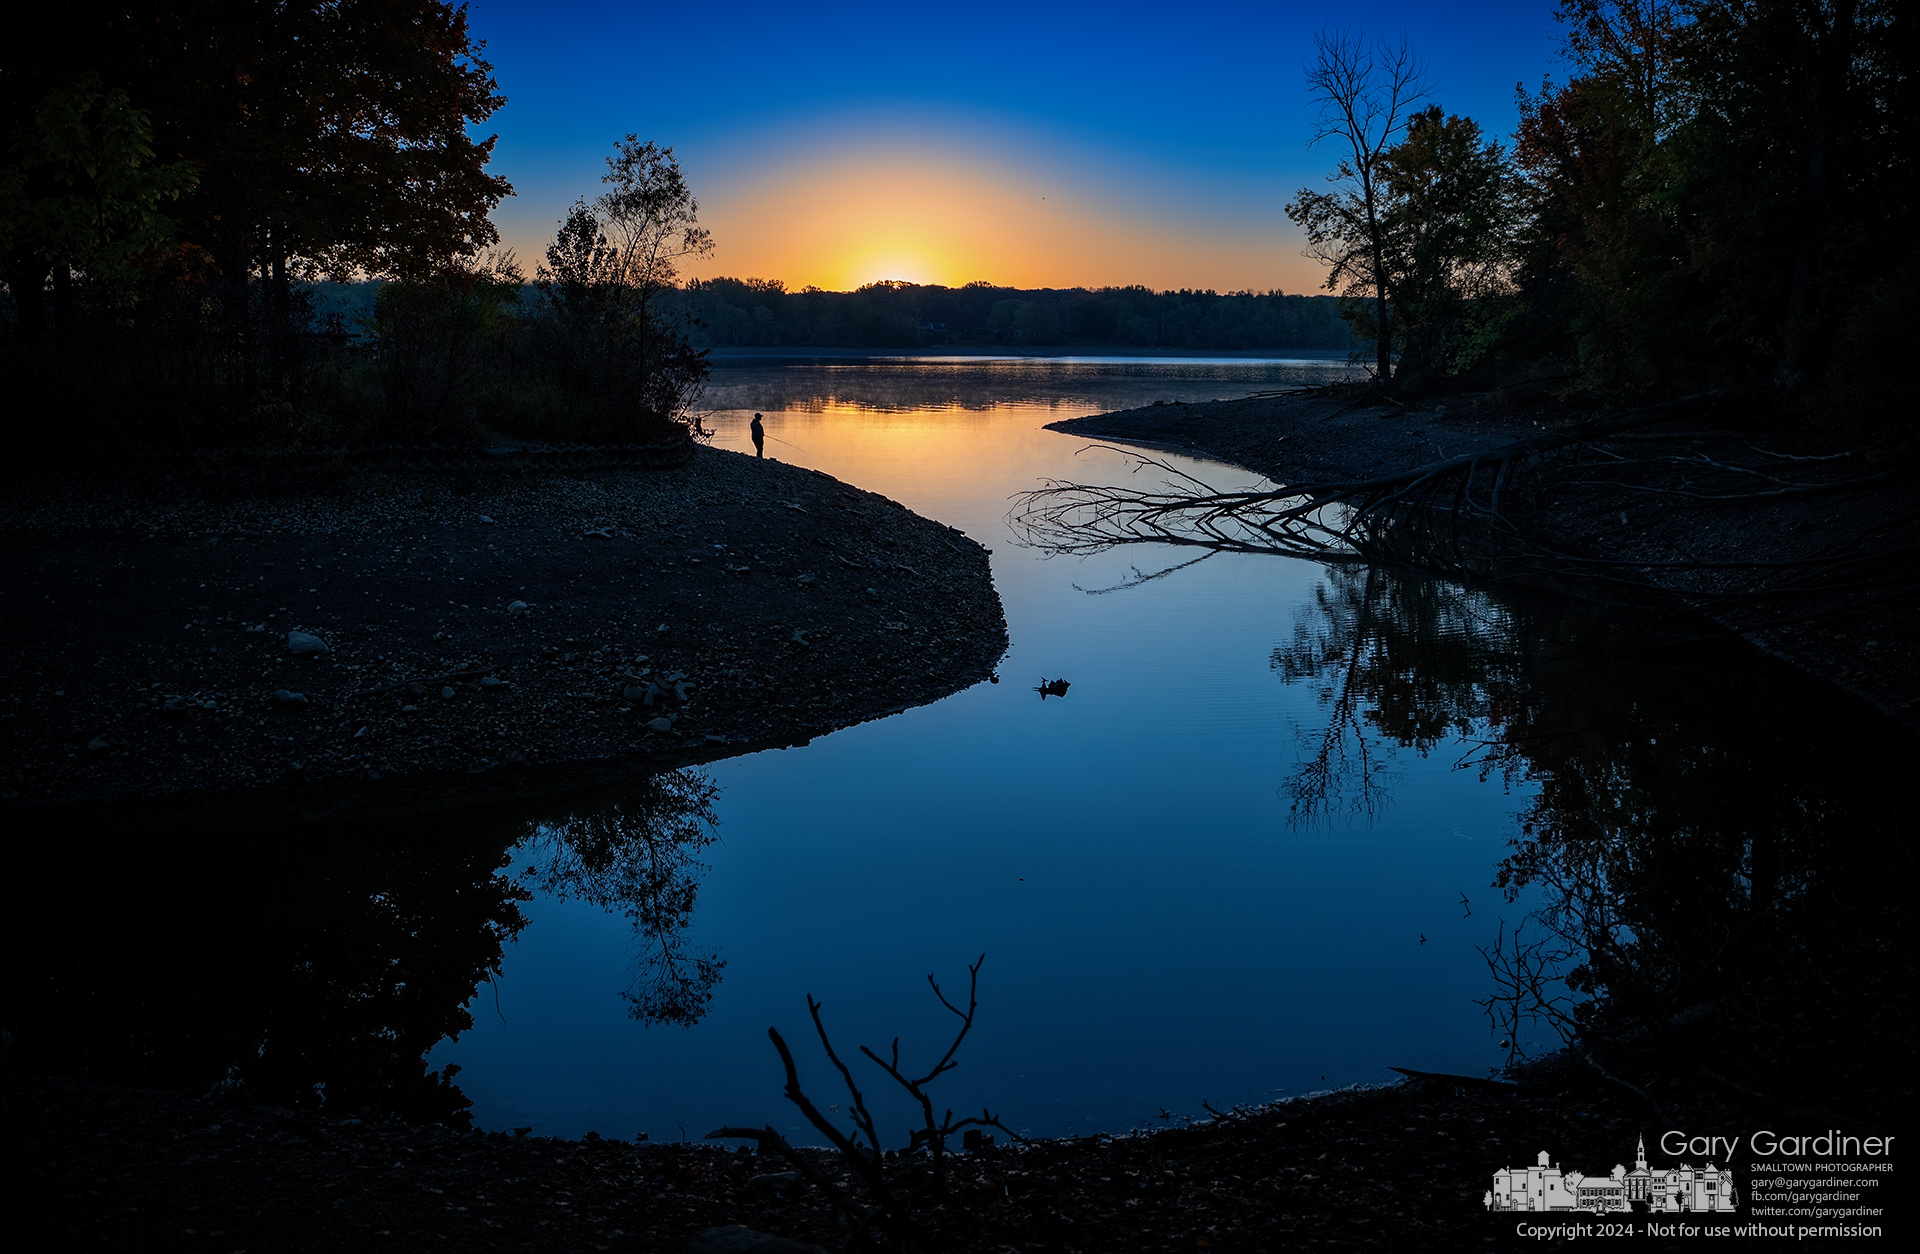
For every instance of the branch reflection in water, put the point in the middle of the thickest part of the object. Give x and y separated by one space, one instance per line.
1718 846
638 856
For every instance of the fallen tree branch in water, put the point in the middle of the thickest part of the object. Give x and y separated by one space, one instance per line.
1327 520
1455 516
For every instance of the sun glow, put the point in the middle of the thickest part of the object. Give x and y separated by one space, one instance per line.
857 216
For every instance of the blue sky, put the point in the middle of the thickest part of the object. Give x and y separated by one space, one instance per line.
1022 144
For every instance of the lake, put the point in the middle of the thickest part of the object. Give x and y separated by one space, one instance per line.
1251 853
1165 921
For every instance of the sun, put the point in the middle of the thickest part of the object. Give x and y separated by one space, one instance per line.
892 268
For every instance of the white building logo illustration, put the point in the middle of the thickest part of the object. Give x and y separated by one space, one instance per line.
1545 1187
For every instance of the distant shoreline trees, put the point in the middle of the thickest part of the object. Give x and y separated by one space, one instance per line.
763 313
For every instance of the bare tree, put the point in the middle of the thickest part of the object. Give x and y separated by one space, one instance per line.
650 218
1365 90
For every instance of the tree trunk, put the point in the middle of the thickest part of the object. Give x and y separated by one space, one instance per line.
1383 331
1833 54
278 309
65 314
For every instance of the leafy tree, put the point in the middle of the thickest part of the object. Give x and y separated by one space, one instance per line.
439 344
1365 90
1602 183
1719 188
1448 225
650 220
604 336
330 136
81 193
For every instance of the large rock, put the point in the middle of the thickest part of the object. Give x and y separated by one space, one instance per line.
301 644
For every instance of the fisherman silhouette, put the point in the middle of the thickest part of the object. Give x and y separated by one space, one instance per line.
759 437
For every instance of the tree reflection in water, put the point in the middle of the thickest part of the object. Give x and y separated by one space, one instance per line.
637 856
1721 848
1398 662
297 968
315 967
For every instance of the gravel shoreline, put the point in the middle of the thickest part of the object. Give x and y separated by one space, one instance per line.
474 632
1390 1169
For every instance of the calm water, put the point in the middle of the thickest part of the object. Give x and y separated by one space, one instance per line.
1165 922
1249 854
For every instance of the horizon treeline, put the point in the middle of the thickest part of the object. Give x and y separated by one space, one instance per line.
763 313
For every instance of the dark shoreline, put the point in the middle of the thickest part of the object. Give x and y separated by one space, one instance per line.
522 608
1386 1169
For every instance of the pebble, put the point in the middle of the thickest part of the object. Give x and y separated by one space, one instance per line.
657 724
289 700
446 694
97 745
633 692
301 644
517 608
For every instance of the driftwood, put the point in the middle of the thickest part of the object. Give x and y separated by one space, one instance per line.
1477 1083
891 1183
1321 519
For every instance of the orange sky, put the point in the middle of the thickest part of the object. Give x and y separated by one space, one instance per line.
837 202
839 220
